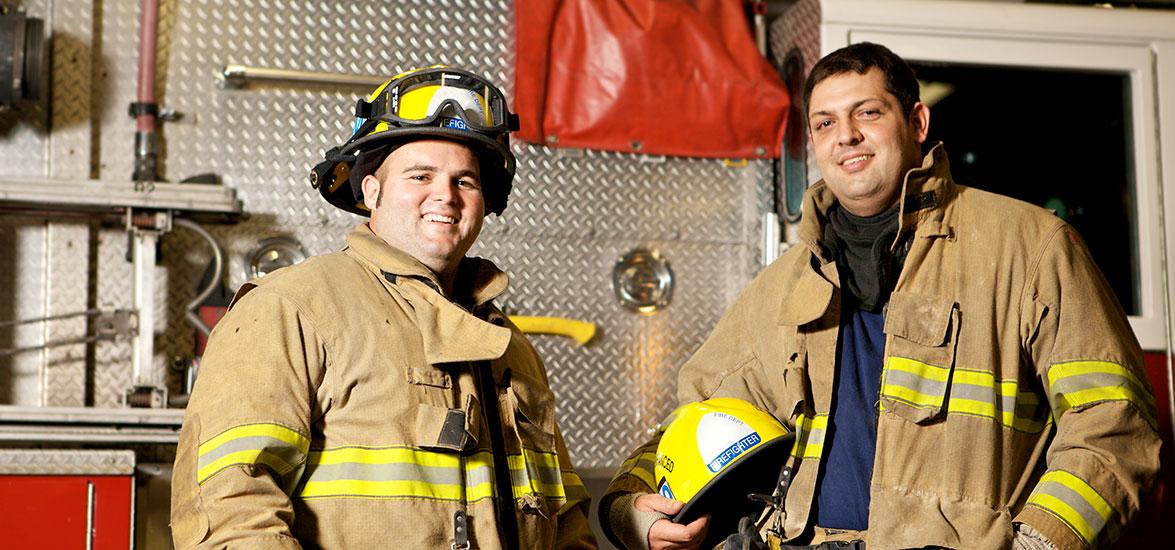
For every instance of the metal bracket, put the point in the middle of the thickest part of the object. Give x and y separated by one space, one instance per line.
145 397
107 325
145 229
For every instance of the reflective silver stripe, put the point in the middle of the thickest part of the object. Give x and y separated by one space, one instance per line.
475 475
917 383
286 452
536 472
810 436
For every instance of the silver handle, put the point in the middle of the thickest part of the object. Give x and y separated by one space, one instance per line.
236 76
89 515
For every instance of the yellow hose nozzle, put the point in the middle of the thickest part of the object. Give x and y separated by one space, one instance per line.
580 331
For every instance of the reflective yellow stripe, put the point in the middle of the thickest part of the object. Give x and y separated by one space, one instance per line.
536 473
972 393
385 455
1079 383
1074 502
911 397
276 431
923 370
574 487
914 382
576 490
394 489
640 465
810 436
406 472
256 456
277 447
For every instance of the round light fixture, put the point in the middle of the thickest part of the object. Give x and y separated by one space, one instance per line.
274 253
643 281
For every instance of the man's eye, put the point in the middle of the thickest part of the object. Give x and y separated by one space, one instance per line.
871 113
823 124
469 184
419 177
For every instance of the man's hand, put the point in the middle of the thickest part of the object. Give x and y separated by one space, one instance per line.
666 535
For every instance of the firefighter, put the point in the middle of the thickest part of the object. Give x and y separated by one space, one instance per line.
375 397
954 365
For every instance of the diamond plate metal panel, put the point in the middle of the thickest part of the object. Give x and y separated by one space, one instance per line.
115 290
22 296
66 275
69 143
797 27
33 150
66 462
115 78
64 367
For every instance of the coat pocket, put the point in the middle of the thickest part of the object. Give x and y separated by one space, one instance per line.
539 491
533 407
920 359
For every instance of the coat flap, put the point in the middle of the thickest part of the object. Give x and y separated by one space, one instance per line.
808 299
449 333
919 318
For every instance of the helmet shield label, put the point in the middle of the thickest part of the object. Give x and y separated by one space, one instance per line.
665 491
723 438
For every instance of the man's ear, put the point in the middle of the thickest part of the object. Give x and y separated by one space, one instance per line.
920 121
371 189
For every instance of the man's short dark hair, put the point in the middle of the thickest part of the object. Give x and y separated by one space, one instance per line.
859 58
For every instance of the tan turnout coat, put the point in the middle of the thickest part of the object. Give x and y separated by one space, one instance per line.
337 407
1012 388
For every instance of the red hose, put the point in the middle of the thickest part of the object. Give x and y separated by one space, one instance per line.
148 25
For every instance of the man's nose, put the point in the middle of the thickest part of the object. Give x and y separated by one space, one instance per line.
848 133
443 189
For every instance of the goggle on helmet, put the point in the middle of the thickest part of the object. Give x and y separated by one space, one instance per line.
438 102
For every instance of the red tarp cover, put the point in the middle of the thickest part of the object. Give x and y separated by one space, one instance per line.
664 77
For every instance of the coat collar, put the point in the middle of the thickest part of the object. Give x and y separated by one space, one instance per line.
478 280
449 332
926 190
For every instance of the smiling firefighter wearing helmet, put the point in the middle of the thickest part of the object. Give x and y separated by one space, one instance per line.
372 397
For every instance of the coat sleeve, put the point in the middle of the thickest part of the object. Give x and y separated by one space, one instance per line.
245 438
1104 455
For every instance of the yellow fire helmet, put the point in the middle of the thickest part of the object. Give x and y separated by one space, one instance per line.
437 102
713 454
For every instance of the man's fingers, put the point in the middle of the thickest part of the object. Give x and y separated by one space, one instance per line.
666 534
653 502
696 529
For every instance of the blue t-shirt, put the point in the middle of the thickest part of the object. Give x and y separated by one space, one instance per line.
842 491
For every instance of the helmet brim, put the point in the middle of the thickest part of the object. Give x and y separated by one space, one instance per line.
724 497
497 174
